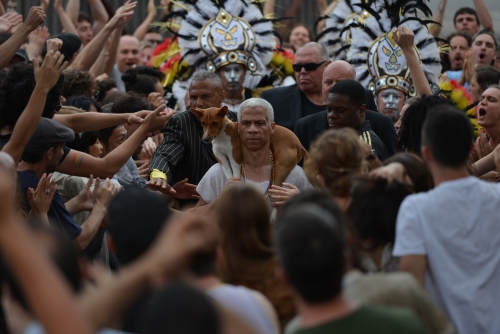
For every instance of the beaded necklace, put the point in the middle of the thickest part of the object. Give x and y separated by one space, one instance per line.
271 181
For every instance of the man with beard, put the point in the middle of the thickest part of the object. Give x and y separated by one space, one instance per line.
460 44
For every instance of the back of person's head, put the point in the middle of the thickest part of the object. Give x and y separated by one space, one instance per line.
415 168
413 119
16 90
111 97
319 197
465 10
139 83
181 309
83 141
448 134
83 102
136 216
104 86
336 156
62 252
71 45
129 104
77 82
245 233
351 88
150 71
486 76
373 211
310 243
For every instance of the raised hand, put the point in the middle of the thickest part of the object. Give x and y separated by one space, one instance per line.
103 194
8 21
36 16
404 37
156 99
54 44
162 186
41 198
151 8
51 69
85 197
8 187
123 14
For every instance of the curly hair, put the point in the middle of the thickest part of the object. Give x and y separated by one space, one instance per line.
16 90
78 82
337 155
413 119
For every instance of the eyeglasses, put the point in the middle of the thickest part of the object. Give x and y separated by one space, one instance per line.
308 66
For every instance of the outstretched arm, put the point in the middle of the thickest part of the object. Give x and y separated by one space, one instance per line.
141 30
66 22
435 29
72 9
326 11
46 77
484 15
99 13
8 49
91 52
47 293
82 164
404 38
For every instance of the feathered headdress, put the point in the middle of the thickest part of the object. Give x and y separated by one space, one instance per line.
214 33
378 60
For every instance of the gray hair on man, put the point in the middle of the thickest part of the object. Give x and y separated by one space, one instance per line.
320 47
207 75
260 103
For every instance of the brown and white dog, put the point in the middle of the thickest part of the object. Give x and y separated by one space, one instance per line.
226 144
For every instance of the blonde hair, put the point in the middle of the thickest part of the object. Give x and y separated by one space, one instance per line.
337 155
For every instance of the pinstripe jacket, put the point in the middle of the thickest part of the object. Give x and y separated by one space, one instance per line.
182 153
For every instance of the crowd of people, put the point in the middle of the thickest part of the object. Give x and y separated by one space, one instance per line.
117 214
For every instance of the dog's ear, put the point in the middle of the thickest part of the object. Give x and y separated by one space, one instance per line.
198 112
223 111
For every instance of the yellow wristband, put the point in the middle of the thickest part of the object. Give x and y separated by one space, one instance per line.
157 174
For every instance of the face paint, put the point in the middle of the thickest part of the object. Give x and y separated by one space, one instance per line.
232 72
390 102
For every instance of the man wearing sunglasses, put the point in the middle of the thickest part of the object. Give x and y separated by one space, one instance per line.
305 98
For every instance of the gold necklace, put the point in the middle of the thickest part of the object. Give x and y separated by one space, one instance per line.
271 181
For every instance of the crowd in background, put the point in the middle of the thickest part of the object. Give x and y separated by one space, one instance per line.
117 215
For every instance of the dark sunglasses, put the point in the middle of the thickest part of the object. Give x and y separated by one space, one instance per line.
308 66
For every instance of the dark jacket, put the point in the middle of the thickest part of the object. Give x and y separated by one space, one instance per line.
310 127
287 103
183 154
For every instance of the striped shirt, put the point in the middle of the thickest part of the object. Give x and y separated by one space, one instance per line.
183 154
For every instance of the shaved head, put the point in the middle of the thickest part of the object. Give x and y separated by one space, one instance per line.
337 71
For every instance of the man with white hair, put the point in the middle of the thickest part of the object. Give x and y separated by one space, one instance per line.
255 128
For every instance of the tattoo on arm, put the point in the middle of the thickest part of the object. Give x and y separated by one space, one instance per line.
77 159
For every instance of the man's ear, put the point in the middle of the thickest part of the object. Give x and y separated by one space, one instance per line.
273 127
49 154
426 153
223 96
223 111
362 110
198 112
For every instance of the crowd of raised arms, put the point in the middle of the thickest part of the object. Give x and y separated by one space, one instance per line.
222 168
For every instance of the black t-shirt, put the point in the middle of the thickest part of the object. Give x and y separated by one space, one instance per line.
309 108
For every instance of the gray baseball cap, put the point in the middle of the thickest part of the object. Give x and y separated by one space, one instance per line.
47 134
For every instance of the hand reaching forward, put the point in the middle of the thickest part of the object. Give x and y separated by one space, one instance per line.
162 186
52 67
185 190
103 194
157 120
41 198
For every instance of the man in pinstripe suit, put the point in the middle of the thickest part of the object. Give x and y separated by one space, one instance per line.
183 157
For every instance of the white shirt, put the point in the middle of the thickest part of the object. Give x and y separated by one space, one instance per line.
117 75
214 180
456 226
